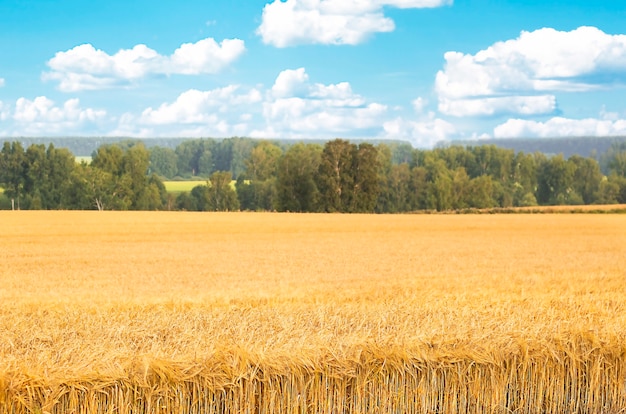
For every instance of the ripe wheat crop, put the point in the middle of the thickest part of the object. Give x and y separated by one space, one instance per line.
133 312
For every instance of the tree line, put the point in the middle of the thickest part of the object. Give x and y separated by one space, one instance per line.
337 176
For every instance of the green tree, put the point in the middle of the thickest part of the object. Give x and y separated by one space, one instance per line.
609 191
335 178
53 190
220 196
263 161
195 157
554 181
418 189
257 195
206 164
440 186
524 180
257 187
614 161
480 192
164 162
128 185
296 178
95 188
385 163
395 194
241 150
223 155
108 158
36 177
460 189
364 178
187 202
13 170
587 178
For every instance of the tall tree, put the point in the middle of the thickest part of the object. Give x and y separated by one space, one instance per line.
365 170
263 161
440 186
61 164
479 193
554 181
296 178
256 188
13 170
335 178
220 196
614 161
587 178
164 162
108 158
395 195
242 148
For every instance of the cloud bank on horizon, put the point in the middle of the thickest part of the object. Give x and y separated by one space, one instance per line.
540 83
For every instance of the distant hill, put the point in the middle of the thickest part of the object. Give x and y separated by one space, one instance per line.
583 146
85 146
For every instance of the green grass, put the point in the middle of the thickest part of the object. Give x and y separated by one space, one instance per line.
186 186
182 186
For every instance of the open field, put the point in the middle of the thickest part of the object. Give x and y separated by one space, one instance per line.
182 186
119 312
187 186
81 159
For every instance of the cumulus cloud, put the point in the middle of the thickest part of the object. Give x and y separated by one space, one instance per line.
295 107
196 107
561 127
419 104
423 133
339 22
545 60
87 68
43 116
523 105
227 111
4 111
292 107
1 82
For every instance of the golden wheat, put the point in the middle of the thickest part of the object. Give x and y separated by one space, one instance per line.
267 313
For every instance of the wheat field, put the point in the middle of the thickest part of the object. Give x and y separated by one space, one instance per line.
133 312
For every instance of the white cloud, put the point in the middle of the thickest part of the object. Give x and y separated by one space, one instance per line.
291 83
294 107
419 104
293 22
197 107
42 116
561 127
523 105
221 112
536 62
4 111
87 68
205 56
423 133
1 82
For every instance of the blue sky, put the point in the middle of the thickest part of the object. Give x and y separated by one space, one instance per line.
416 70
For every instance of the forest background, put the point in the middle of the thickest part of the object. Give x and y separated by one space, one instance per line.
308 176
